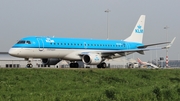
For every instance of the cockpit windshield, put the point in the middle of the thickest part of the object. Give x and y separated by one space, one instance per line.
23 42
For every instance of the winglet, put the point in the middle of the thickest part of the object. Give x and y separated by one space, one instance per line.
169 45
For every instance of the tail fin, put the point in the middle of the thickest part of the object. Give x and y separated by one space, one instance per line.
139 61
137 34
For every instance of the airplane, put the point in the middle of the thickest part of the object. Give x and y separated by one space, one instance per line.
52 50
146 64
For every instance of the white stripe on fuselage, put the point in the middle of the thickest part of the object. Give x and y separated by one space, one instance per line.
66 54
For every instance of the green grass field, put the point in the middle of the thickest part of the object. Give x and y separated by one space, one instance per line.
89 85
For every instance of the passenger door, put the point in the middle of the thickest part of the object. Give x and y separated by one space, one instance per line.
40 43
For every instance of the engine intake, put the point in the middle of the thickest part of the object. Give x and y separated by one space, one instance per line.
50 61
92 59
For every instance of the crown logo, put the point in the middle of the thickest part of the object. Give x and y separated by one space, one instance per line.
139 29
96 58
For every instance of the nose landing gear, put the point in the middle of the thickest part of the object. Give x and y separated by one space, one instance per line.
29 65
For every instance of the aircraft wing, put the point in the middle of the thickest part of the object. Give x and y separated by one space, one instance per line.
124 52
144 46
141 50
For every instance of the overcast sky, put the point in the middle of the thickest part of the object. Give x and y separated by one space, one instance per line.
87 19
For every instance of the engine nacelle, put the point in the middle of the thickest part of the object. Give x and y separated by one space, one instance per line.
50 61
92 59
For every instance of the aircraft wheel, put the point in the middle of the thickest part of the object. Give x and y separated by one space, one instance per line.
74 65
99 66
29 65
71 65
103 65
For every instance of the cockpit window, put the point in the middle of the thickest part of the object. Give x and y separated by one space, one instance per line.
23 42
28 42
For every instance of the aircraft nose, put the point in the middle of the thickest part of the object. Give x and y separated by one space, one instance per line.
13 52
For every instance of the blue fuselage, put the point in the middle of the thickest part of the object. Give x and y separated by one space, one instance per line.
65 48
73 43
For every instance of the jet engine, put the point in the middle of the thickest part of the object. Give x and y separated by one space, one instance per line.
92 59
50 61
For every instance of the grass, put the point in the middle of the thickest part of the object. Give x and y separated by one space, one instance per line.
89 85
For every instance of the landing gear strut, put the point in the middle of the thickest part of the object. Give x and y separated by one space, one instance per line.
102 65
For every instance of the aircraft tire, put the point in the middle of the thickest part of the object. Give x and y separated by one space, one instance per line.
74 65
31 65
71 65
99 66
27 65
103 65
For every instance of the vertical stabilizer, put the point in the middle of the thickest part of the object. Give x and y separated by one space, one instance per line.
140 62
137 34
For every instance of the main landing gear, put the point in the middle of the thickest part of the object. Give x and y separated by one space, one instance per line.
102 65
74 65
